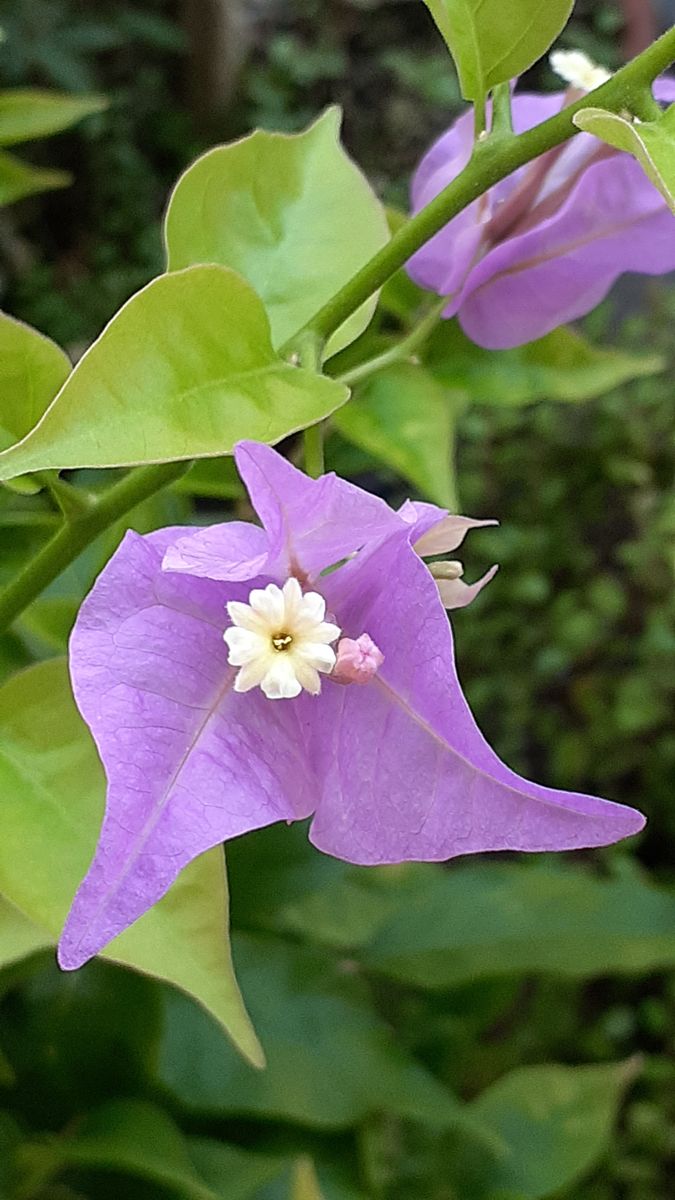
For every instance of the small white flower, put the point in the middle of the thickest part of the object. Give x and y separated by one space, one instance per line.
577 69
280 641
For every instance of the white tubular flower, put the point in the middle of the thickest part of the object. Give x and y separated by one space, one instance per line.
577 69
280 641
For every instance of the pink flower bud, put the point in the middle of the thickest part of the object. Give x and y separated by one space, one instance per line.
357 661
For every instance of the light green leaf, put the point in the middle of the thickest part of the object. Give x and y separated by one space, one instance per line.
32 370
404 417
19 937
305 1183
502 919
51 803
652 143
291 212
27 113
492 41
330 1060
550 1126
561 366
184 370
19 179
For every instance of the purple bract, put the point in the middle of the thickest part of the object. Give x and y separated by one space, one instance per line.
545 245
388 757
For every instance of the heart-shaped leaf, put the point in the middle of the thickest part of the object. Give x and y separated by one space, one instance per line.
184 370
291 212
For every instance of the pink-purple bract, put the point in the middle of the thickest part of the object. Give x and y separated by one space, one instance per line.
393 769
545 245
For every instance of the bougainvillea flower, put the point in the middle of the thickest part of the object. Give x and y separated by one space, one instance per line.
545 245
390 764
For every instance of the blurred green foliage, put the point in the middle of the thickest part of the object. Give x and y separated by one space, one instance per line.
432 1035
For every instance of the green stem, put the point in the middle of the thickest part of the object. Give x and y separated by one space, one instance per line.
493 159
401 352
71 501
77 533
479 118
310 353
502 116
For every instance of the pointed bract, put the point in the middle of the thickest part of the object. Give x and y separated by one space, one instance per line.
387 757
544 246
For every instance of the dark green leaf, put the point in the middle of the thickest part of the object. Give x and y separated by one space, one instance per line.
501 919
560 366
330 1060
550 1125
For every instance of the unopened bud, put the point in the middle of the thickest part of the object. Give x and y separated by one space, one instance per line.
446 570
357 661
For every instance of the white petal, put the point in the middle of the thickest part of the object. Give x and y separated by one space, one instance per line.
280 682
308 677
243 615
578 69
250 676
292 593
313 607
269 603
325 632
317 655
244 645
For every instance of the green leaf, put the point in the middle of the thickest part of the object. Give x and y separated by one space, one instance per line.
560 366
19 937
32 370
10 1139
502 919
27 113
291 212
330 1060
652 143
492 42
305 1183
550 1126
136 1138
184 370
348 912
19 179
51 803
79 1038
231 1173
404 417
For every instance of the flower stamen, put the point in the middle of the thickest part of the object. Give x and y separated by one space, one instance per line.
282 641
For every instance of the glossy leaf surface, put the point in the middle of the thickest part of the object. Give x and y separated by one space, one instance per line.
184 370
291 212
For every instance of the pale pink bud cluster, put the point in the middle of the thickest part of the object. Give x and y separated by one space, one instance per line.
357 660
